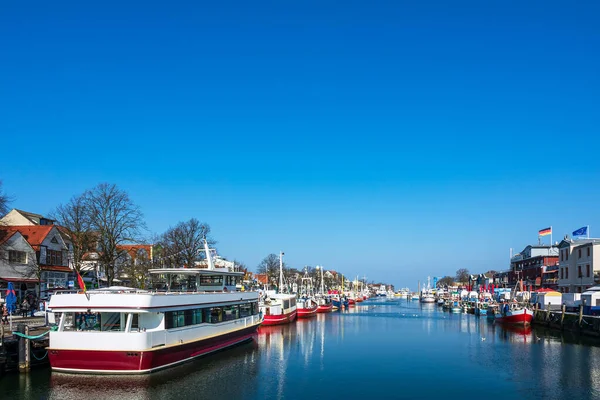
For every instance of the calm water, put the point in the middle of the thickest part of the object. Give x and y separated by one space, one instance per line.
391 349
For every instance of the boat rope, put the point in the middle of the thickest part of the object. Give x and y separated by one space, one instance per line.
54 328
39 358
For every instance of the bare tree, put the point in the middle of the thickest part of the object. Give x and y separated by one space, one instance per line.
445 281
116 220
4 202
182 244
76 222
270 266
462 275
136 270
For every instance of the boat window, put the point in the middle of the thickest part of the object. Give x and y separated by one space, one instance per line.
87 321
286 304
135 322
292 302
216 315
211 280
246 310
110 321
231 312
174 319
256 309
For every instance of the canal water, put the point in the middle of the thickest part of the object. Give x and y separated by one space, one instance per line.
392 349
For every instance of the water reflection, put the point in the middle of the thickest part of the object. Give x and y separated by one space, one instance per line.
388 349
218 374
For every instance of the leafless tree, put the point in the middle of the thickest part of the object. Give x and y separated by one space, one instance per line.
270 266
462 275
136 270
116 220
182 244
4 202
76 222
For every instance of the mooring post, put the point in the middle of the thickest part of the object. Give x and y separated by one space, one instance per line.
562 316
23 347
581 311
548 313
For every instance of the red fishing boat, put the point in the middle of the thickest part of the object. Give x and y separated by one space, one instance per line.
307 307
514 315
325 304
278 308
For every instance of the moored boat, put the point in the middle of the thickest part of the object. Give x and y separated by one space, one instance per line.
307 307
514 315
278 308
119 330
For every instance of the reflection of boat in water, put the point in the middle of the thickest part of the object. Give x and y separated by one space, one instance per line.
121 330
237 363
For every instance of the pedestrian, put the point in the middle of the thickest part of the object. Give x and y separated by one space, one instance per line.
25 308
4 314
32 301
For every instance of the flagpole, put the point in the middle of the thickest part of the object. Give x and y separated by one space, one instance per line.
550 236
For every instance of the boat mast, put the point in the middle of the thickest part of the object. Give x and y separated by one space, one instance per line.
322 287
280 271
208 258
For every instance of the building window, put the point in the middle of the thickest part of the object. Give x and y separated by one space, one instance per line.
579 253
579 271
562 275
588 251
567 273
587 267
15 256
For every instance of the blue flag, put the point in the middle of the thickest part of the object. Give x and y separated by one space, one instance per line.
580 232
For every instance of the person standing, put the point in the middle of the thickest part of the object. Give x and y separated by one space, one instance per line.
4 314
25 307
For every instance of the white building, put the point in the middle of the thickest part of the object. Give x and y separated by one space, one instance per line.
579 265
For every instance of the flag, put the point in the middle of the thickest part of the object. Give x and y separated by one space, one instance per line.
580 231
545 232
80 282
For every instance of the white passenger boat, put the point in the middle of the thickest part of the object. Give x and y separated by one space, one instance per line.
120 330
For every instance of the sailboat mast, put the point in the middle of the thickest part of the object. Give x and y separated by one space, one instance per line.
280 271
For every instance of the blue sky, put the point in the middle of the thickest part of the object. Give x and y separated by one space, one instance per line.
393 140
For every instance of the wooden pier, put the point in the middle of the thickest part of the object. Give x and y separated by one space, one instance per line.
576 322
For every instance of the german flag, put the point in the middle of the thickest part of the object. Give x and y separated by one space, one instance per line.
80 282
545 232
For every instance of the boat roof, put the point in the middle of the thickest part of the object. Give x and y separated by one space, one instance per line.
195 271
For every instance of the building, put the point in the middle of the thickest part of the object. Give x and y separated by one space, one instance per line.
579 265
21 218
531 264
47 262
16 256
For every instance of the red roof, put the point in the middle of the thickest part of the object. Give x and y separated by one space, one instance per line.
4 237
34 234
133 249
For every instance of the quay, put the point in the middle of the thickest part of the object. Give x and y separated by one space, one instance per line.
23 347
576 322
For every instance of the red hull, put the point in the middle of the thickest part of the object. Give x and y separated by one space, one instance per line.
307 312
351 301
523 318
279 319
137 362
325 308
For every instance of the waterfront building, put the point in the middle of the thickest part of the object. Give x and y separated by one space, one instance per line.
35 258
531 264
579 265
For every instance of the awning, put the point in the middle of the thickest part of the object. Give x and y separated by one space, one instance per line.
19 280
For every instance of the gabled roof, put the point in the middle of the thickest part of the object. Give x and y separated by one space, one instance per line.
5 235
34 234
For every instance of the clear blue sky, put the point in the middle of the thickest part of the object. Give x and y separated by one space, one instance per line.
393 140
